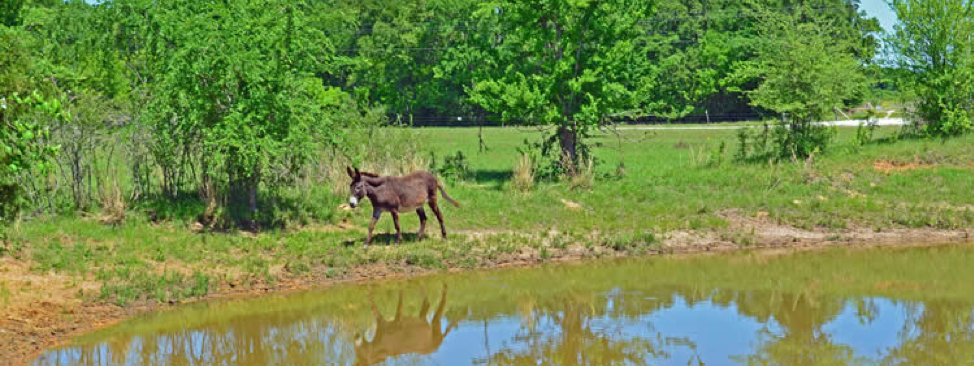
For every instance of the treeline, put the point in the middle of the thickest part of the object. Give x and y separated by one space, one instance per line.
231 101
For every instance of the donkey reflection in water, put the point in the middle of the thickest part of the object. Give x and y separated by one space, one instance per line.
398 194
403 335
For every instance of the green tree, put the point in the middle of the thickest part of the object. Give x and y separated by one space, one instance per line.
804 71
10 12
234 97
933 43
24 147
563 63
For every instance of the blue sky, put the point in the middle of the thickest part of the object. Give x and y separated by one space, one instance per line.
880 10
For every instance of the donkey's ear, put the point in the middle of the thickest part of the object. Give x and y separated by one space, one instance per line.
357 173
351 173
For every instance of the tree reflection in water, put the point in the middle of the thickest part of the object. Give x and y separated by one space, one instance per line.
572 339
594 314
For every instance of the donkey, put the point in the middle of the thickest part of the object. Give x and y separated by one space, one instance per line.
397 194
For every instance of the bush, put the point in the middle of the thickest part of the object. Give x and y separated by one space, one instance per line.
864 133
799 140
455 167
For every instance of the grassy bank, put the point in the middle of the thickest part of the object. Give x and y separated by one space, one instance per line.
654 192
672 181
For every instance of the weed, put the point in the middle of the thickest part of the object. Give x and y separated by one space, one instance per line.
544 254
717 156
522 178
584 176
865 131
112 201
455 167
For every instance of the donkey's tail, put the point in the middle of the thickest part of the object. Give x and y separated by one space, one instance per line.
443 193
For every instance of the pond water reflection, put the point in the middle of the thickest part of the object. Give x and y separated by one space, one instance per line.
837 307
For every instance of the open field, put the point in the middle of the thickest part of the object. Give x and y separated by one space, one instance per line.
678 193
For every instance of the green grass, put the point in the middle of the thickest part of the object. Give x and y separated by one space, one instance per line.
670 183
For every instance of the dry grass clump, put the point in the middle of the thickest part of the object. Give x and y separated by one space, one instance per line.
112 202
584 176
522 177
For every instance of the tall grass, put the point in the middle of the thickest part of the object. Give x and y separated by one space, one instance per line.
522 177
584 176
384 151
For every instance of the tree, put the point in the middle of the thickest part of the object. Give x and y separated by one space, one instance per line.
933 42
24 147
804 71
10 12
564 63
234 97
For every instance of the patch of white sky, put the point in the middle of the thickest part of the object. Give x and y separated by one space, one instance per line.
880 10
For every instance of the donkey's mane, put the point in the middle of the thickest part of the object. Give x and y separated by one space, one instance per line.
368 174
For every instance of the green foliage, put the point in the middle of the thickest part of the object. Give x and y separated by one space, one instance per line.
753 144
24 147
235 91
455 167
803 71
10 12
251 106
581 63
865 131
935 41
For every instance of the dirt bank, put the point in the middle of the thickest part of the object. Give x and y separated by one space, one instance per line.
42 310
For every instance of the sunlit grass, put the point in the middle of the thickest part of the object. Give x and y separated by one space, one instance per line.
662 190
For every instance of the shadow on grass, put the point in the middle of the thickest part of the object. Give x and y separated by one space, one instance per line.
389 239
494 178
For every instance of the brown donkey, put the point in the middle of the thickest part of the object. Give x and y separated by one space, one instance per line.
398 194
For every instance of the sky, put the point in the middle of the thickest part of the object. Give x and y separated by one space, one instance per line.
880 9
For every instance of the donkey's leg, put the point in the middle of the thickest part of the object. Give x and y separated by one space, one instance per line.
422 223
375 217
395 219
439 217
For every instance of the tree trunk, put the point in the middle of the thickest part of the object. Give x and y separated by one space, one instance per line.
567 138
252 203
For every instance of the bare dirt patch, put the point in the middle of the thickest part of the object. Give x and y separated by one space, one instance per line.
42 308
895 166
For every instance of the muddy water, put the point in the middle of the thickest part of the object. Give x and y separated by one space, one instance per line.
910 306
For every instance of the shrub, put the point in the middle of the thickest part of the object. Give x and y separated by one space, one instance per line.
455 167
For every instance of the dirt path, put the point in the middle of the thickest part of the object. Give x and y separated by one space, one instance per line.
840 123
42 310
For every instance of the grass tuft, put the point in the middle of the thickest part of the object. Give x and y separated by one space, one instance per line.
522 177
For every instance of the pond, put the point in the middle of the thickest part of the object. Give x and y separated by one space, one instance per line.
910 306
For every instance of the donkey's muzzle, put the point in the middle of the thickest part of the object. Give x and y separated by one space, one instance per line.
352 201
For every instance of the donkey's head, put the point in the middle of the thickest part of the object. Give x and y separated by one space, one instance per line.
358 187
